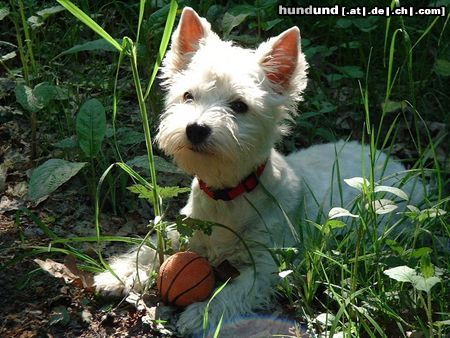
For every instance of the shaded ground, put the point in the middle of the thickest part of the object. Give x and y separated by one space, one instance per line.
32 302
35 304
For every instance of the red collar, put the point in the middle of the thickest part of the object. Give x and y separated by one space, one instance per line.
228 194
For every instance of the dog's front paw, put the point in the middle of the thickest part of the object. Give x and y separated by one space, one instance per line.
108 284
191 320
126 281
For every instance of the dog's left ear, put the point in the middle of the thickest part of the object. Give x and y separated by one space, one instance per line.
186 41
281 58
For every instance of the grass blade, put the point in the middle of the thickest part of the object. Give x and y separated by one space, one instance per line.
141 15
164 43
205 314
84 18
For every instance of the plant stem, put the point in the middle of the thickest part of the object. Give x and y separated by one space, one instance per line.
148 143
28 41
429 314
29 56
22 54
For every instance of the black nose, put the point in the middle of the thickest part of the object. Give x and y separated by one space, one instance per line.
197 133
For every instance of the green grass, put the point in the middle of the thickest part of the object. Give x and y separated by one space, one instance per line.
380 81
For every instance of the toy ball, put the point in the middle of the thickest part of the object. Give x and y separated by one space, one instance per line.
185 278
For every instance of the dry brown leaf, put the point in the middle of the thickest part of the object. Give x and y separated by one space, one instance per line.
56 269
67 271
86 278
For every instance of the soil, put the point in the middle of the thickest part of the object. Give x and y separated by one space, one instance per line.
33 303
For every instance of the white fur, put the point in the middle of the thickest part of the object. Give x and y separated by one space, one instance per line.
217 73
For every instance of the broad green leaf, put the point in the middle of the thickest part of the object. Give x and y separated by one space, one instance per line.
33 100
4 11
324 51
406 274
395 246
95 45
35 21
27 99
366 24
417 253
357 182
413 208
91 126
268 25
45 93
382 206
230 21
244 9
425 284
61 93
340 212
332 224
130 137
46 12
396 191
50 175
67 143
325 319
354 72
285 273
334 77
432 213
8 56
442 67
343 23
335 224
401 273
161 164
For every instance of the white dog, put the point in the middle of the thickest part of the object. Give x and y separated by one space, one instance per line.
225 108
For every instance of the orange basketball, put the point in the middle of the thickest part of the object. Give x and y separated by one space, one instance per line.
185 278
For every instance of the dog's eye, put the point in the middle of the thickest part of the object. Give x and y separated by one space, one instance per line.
187 97
239 107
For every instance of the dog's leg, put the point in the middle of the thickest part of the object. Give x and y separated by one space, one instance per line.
131 272
250 291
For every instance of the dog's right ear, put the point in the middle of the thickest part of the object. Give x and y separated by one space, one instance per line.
190 32
186 40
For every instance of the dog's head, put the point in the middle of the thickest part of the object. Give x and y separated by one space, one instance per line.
226 105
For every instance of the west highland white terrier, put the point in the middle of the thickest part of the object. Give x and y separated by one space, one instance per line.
226 107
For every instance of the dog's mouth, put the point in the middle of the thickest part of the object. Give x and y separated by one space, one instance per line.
198 149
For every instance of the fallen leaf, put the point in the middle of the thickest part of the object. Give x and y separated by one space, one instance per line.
7 204
18 190
68 271
56 269
86 278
